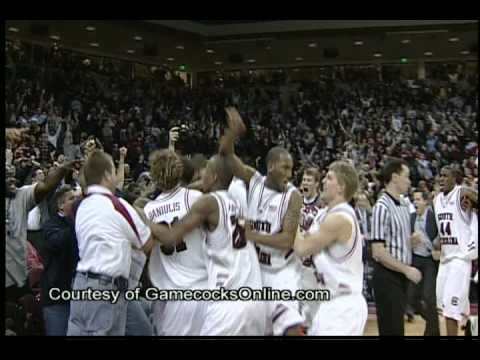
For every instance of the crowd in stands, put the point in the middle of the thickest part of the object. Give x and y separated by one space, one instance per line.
64 101
429 123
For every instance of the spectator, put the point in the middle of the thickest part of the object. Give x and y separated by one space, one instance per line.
363 117
60 261
19 201
425 231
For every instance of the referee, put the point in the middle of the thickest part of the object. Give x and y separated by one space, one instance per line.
392 250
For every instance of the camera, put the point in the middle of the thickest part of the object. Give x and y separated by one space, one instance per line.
184 139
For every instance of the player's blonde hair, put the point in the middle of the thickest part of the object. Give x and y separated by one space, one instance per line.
165 169
347 176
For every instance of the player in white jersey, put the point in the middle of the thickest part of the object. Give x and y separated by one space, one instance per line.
182 267
231 261
238 190
311 197
272 220
458 248
310 211
337 257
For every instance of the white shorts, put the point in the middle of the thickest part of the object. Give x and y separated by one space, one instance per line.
309 282
345 315
178 318
453 285
234 318
282 315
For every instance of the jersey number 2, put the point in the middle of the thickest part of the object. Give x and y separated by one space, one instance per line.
168 250
238 236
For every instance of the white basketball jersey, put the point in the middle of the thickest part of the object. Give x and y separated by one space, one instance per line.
315 225
231 260
266 210
185 266
238 190
309 212
454 227
310 227
339 267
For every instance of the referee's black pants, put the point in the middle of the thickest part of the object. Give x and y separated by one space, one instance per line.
390 292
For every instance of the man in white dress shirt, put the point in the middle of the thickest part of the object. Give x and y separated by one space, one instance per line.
108 229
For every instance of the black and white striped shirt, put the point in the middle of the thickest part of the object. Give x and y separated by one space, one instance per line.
391 225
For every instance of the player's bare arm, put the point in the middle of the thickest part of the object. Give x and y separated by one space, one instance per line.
239 169
147 248
196 185
43 188
121 168
334 228
203 212
236 128
285 239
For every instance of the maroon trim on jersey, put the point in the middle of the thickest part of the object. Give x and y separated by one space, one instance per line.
186 200
314 202
355 240
290 252
261 195
256 181
282 203
224 210
225 213
445 199
171 195
280 313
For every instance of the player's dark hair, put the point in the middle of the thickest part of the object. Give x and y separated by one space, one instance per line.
275 153
188 170
222 170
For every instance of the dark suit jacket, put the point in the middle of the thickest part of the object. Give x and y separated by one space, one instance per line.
61 256
430 225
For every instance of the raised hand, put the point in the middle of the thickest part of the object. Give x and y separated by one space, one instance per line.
123 152
71 165
173 134
235 122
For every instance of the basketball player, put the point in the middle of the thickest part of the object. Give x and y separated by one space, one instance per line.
337 256
458 248
311 198
231 260
238 190
310 211
180 267
272 220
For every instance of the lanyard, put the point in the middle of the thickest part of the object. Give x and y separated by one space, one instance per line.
118 207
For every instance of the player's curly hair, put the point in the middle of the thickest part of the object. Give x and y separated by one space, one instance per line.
165 169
